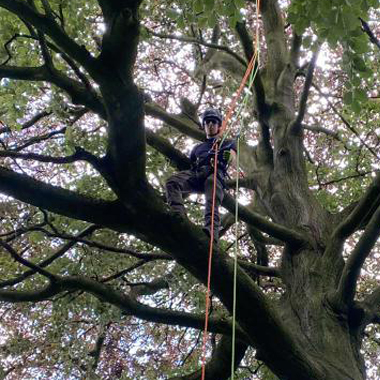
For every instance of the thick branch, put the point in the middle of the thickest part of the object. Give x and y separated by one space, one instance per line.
369 202
347 285
275 37
259 269
49 27
78 92
181 161
259 222
120 300
258 86
79 155
61 201
371 304
183 125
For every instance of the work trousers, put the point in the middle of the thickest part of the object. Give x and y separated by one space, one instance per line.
200 181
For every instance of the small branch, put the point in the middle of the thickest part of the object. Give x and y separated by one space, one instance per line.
295 49
30 123
199 42
7 50
347 285
345 122
27 263
318 129
369 32
45 51
122 273
78 92
93 244
297 123
59 253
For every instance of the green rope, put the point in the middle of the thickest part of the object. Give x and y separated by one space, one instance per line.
236 250
235 261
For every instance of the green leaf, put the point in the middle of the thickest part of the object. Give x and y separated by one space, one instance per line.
307 41
209 4
359 63
212 20
198 6
359 44
355 106
350 20
360 95
239 3
172 14
348 98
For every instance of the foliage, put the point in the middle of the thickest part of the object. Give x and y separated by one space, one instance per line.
77 333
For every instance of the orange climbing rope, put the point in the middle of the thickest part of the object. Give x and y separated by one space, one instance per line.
223 128
211 246
230 111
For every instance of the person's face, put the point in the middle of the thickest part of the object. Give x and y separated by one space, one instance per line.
211 127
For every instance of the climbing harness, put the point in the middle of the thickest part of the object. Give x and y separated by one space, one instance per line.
249 74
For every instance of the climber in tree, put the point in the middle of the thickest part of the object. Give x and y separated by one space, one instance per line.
200 178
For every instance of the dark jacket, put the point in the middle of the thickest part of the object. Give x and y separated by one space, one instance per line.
202 154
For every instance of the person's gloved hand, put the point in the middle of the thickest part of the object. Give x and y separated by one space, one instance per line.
227 156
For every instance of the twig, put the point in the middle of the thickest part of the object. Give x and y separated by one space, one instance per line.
27 263
196 41
369 32
296 125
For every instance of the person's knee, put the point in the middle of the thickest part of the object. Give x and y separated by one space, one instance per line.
172 184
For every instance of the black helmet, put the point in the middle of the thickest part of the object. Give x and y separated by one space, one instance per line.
213 114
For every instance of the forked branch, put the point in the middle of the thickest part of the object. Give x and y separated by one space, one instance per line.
366 206
348 282
120 300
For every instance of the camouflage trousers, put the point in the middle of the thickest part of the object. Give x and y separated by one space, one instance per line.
200 181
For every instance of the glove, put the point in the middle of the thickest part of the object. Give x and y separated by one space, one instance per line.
227 156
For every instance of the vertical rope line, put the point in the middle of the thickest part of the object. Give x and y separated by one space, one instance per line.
235 259
236 251
209 264
251 74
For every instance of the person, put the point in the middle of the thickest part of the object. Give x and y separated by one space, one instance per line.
200 178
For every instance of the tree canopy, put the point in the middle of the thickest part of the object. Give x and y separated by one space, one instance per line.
100 104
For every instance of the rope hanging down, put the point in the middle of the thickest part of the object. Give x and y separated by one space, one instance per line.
251 74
